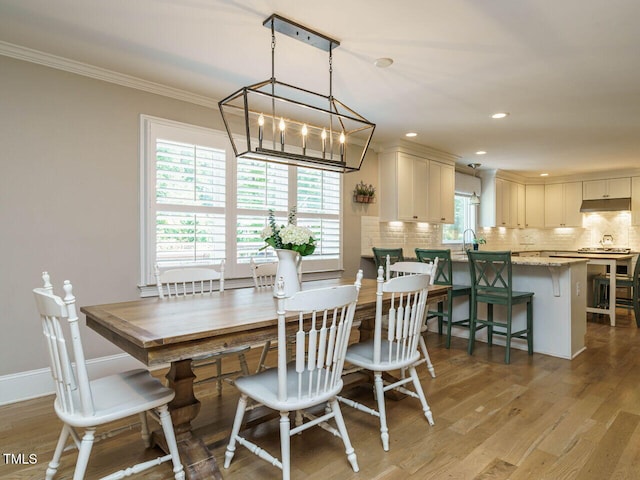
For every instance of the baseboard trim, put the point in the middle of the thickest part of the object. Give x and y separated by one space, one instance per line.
21 386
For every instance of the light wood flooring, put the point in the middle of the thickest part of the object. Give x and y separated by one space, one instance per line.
538 418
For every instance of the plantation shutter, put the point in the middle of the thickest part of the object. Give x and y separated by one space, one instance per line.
189 203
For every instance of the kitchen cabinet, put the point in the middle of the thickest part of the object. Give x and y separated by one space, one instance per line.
441 193
415 189
502 203
404 179
609 188
635 200
562 204
534 206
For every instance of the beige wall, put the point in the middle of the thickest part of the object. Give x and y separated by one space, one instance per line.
69 196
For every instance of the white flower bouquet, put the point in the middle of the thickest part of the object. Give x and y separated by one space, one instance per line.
288 237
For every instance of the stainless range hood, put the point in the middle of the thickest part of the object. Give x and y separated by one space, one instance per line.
606 205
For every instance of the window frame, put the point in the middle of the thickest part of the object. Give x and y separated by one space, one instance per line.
471 212
150 126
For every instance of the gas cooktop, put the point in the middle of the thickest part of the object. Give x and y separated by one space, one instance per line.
621 251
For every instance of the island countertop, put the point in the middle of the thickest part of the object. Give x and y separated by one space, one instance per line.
531 261
515 260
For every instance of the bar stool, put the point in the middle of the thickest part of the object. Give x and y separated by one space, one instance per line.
380 257
492 283
444 276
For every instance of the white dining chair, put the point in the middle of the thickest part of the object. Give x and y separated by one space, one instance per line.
88 404
184 282
396 347
413 268
314 377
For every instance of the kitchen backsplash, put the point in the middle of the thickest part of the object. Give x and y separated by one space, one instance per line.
422 235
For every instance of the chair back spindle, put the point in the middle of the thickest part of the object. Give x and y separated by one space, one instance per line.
72 387
264 274
324 320
405 315
180 282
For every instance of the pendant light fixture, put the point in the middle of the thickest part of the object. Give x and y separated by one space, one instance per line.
474 200
277 122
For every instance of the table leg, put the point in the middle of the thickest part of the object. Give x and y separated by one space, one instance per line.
198 461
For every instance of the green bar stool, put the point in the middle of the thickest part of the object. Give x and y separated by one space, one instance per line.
380 257
492 283
444 276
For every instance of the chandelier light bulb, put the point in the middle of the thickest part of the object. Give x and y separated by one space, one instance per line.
282 127
304 138
260 130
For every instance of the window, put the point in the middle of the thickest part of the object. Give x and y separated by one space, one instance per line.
465 217
200 205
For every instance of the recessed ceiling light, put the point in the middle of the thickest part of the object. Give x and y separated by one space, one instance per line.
383 62
499 115
411 134
481 152
544 174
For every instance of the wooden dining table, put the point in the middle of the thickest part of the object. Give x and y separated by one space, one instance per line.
174 330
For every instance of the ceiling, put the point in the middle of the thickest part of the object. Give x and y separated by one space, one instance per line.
568 72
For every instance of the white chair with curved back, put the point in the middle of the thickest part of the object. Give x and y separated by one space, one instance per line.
87 404
314 377
396 347
184 282
413 268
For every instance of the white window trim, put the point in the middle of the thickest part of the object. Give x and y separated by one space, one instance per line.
237 274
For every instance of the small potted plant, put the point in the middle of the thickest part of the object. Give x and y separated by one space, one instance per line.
364 193
371 193
478 241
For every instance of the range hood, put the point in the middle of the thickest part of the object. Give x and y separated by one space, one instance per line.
606 205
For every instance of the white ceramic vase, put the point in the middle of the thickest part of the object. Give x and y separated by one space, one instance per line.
288 261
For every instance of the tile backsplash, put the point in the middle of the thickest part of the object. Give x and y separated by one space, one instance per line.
423 235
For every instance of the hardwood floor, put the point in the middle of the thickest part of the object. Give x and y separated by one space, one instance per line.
538 418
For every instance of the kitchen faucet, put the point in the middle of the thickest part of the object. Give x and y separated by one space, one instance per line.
464 243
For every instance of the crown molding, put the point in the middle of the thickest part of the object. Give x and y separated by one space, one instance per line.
91 71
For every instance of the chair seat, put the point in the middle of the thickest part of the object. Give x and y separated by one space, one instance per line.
502 298
119 396
460 290
361 355
263 387
621 281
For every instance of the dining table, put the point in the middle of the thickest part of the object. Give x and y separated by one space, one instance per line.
174 330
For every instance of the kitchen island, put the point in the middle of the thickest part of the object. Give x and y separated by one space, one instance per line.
559 303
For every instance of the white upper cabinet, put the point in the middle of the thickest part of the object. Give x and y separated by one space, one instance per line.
440 205
403 187
414 188
502 203
562 203
610 188
534 210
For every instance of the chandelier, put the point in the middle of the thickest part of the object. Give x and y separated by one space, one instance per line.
277 122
